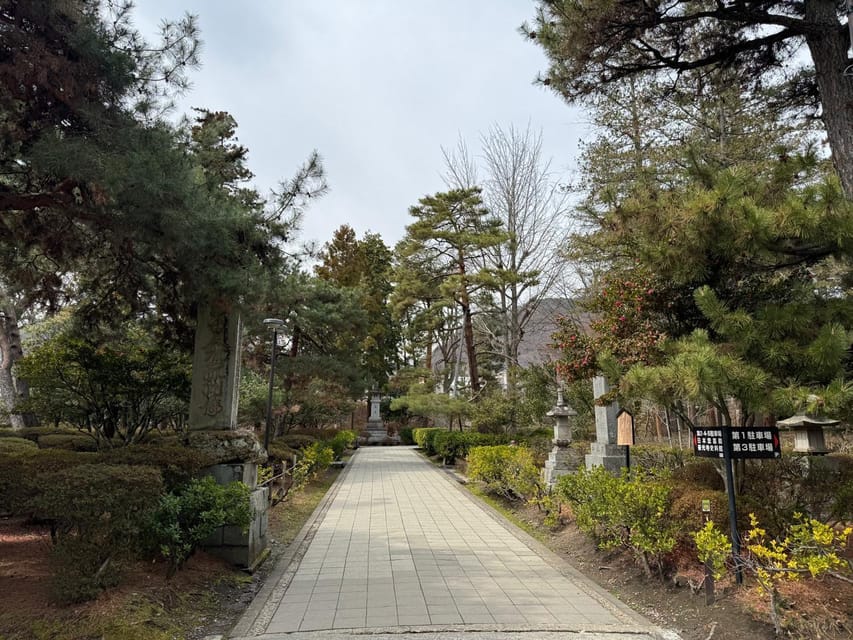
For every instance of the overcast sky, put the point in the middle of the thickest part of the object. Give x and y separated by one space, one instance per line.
376 86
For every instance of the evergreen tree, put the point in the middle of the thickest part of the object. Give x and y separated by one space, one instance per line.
592 44
447 240
365 265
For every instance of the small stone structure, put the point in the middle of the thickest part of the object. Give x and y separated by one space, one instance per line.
561 459
808 433
604 452
377 432
213 424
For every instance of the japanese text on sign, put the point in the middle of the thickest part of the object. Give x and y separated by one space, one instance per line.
746 442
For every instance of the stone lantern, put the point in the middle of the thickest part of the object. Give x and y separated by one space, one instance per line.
808 432
560 460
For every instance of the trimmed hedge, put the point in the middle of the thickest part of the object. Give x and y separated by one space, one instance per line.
98 513
456 444
178 464
699 472
16 445
22 475
280 452
424 438
68 441
655 456
34 433
629 511
406 436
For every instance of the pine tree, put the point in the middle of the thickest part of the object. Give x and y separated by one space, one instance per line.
447 240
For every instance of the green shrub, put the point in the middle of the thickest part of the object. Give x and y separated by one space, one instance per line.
713 548
79 571
314 460
183 520
97 513
699 473
450 445
103 500
70 442
628 511
506 470
406 436
424 438
178 464
653 456
819 486
16 445
341 441
686 507
539 441
116 386
23 475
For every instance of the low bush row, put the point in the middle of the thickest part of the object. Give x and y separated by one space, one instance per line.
424 438
450 445
104 508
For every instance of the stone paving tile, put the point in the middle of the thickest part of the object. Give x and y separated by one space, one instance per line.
400 546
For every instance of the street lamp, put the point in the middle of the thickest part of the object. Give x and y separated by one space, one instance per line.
275 323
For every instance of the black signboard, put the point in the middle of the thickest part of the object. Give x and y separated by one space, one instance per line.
746 442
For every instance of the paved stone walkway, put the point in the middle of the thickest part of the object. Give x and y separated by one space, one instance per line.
397 546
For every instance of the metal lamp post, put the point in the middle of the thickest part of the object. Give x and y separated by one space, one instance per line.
275 323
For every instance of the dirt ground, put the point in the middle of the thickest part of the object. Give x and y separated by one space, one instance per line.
817 610
206 593
204 598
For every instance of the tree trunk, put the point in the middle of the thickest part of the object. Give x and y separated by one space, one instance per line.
470 351
12 391
828 49
468 326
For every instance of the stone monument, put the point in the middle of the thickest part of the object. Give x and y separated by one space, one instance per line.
213 430
376 431
604 452
561 459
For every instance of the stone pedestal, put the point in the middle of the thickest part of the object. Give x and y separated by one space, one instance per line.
562 459
213 423
604 452
245 549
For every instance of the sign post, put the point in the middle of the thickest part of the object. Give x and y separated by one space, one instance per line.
625 434
736 443
710 596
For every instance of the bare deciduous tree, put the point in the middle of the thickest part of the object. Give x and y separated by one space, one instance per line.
522 191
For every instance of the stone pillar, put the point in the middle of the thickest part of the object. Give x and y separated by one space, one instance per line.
604 451
561 460
213 430
216 370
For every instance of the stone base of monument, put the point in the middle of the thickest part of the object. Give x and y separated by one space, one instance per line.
245 549
237 455
561 461
609 456
376 433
